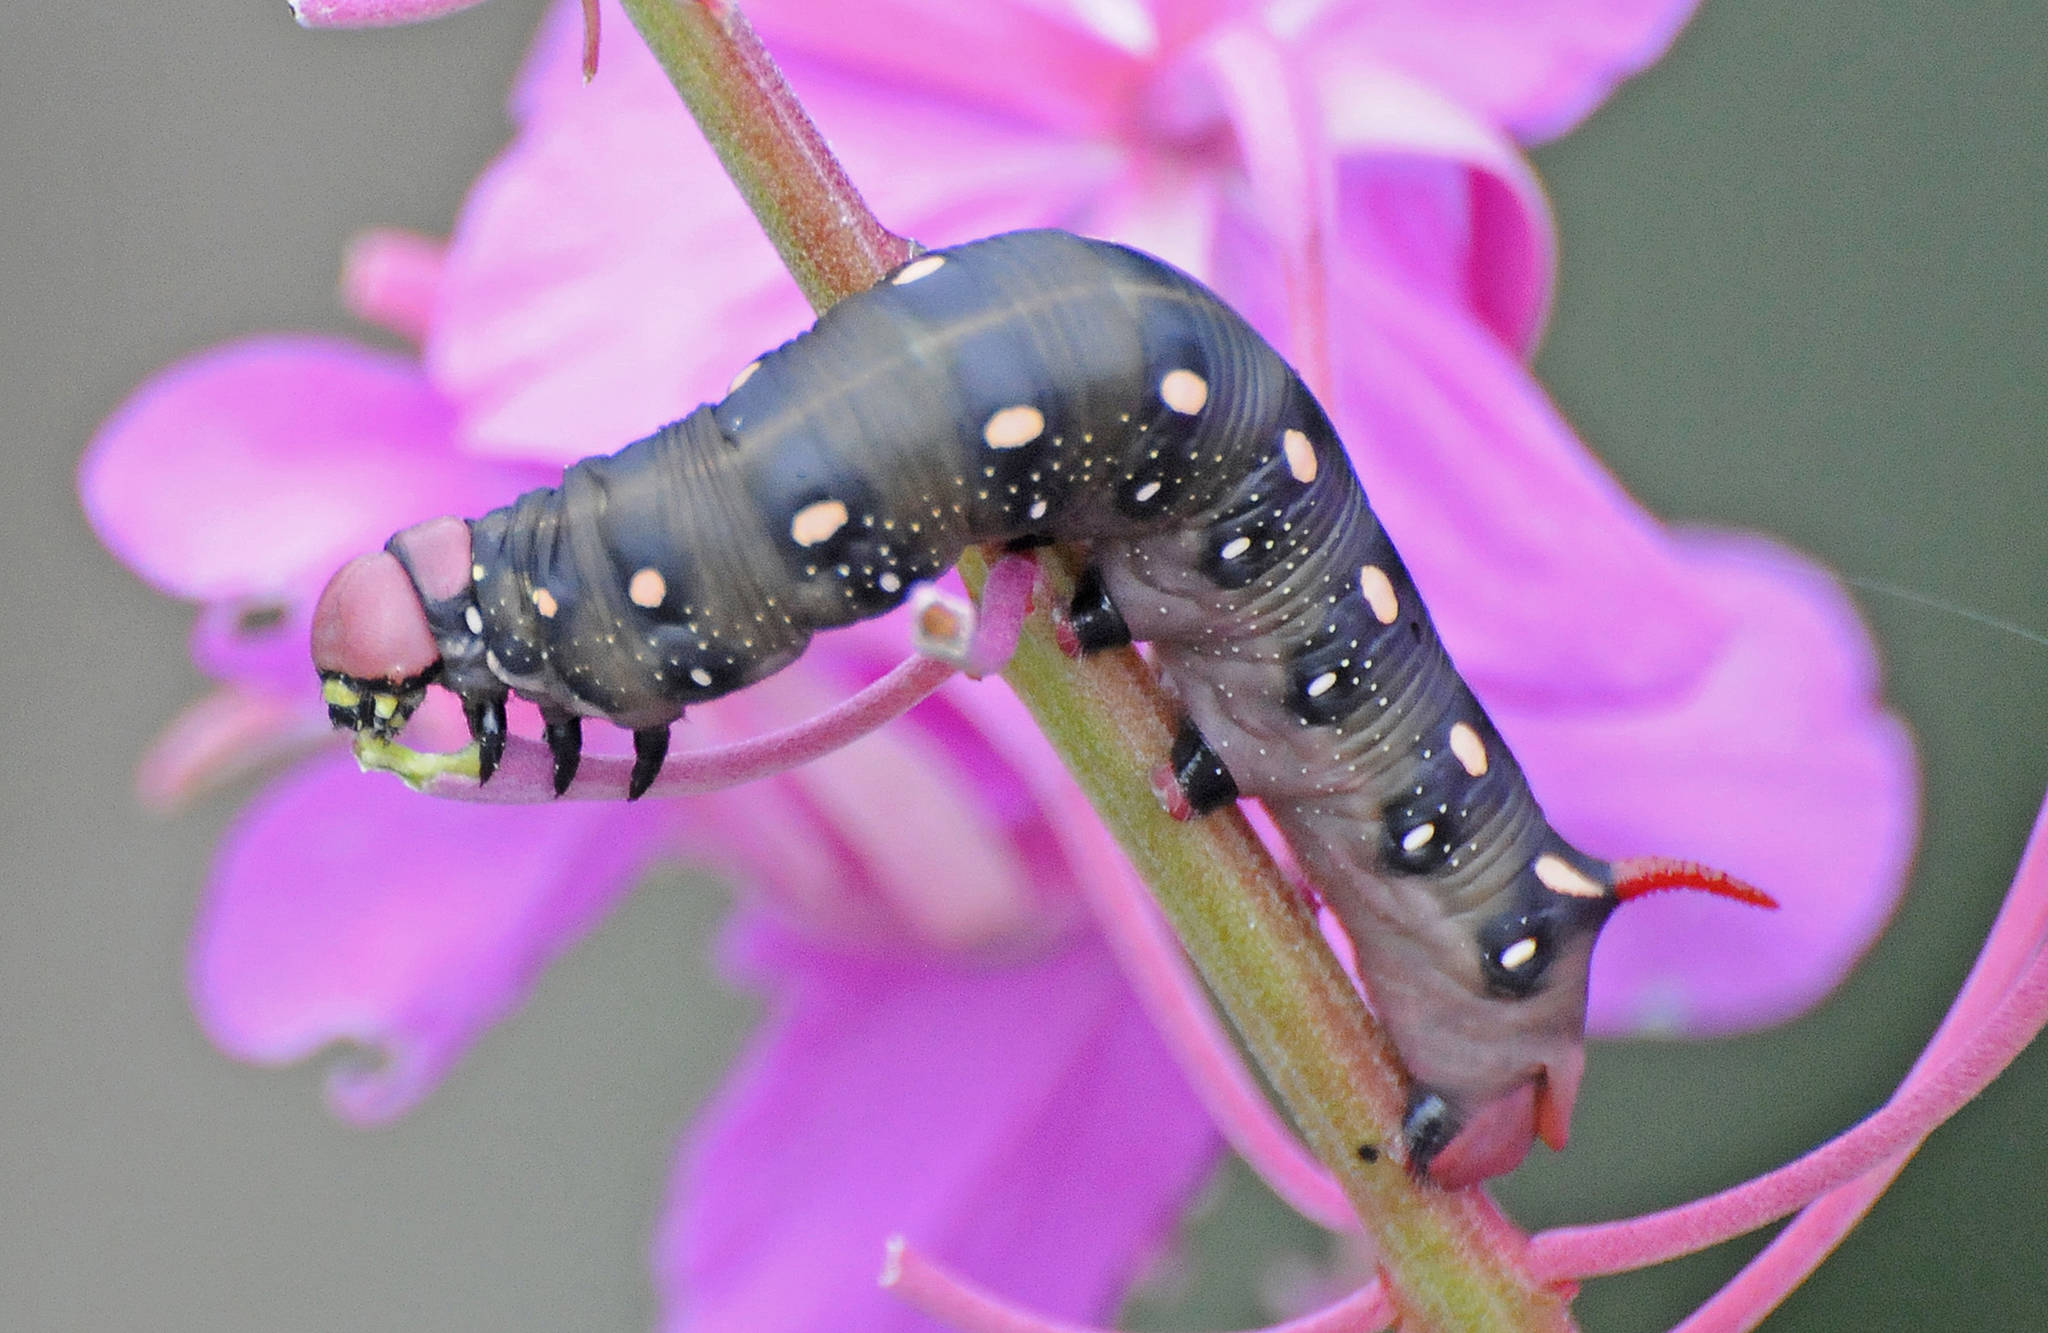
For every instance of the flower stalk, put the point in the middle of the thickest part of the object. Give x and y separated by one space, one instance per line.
828 239
1451 1261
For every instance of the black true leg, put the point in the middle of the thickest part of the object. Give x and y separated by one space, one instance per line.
1198 771
564 736
650 747
1427 1129
1094 619
485 714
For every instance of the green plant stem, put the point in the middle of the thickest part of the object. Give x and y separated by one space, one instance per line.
1451 1261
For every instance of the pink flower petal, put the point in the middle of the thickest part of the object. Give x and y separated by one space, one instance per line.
922 835
1779 765
1537 70
941 830
918 48
1550 585
1022 1121
1433 195
346 909
226 736
605 277
967 54
372 13
1686 698
392 278
1288 172
251 471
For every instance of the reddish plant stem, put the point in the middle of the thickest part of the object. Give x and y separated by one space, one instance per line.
831 243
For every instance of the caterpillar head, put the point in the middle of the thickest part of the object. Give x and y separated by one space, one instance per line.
1494 1044
373 642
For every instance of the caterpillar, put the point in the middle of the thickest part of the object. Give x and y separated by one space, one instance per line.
1037 387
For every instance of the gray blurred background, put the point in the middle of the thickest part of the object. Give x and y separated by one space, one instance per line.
1804 290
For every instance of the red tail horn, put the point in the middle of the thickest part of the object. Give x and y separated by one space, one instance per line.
1654 874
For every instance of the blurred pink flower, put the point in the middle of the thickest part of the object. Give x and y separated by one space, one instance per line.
1343 173
372 13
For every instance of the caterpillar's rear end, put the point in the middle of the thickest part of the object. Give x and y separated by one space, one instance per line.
1033 387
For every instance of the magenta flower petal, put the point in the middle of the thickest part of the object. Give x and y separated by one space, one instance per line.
372 13
938 831
1779 764
1551 586
392 278
345 909
1020 1121
243 476
1082 69
1535 69
229 734
605 277
254 469
1436 196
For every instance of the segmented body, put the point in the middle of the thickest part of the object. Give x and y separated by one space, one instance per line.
1040 386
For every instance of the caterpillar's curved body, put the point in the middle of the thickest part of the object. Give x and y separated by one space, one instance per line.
1038 385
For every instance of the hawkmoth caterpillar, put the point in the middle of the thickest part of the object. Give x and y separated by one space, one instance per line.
1034 387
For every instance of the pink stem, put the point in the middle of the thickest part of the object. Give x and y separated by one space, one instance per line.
1796 1251
1151 957
524 775
953 1300
1926 1098
1005 601
590 34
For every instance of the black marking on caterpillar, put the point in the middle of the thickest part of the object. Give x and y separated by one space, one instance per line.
1039 386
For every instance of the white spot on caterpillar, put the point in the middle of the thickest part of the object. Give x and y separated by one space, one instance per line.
1320 686
646 588
746 373
1184 391
474 619
816 522
1470 750
701 676
1301 456
1235 547
1379 594
1014 427
476 573
1418 837
1037 509
544 602
1519 954
889 582
1561 876
921 268
1147 491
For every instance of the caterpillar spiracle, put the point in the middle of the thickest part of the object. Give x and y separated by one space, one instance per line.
1030 387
